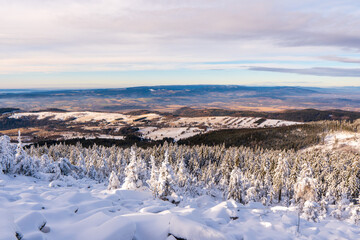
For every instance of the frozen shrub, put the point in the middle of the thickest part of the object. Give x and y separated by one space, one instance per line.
311 211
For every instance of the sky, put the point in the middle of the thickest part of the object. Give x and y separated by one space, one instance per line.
112 43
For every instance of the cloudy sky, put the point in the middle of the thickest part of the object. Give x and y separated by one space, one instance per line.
112 43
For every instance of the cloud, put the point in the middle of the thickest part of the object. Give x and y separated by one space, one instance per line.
341 59
94 35
119 22
318 71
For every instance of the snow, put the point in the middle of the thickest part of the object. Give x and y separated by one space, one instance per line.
231 122
87 210
176 133
186 127
217 122
7 226
341 140
276 123
159 128
82 117
31 223
191 230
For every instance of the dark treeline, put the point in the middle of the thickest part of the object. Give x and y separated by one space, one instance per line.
293 137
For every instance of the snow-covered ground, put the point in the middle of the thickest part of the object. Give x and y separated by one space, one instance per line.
230 122
152 126
211 122
176 133
185 127
340 140
343 139
83 117
89 136
84 209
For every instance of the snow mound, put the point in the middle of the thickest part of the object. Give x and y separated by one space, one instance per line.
7 226
226 210
31 224
181 227
119 228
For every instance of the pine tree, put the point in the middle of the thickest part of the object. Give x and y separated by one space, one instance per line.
114 182
305 187
183 175
236 188
154 176
311 211
132 180
280 178
166 184
6 155
355 215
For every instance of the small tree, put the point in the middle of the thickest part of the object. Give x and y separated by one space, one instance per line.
311 211
236 189
183 174
114 182
355 214
6 155
280 178
132 180
166 183
305 187
154 176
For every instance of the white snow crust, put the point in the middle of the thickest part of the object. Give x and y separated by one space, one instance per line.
87 210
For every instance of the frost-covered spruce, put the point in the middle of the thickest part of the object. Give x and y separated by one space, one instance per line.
132 180
114 182
311 211
280 179
6 155
24 164
305 187
183 174
355 215
166 184
154 176
236 188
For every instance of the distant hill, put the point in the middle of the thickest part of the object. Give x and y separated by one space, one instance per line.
8 110
169 98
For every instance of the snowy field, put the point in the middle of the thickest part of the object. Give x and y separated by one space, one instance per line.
84 209
210 122
154 127
178 133
340 140
83 117
231 122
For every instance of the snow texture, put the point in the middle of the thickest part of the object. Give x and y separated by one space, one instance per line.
87 210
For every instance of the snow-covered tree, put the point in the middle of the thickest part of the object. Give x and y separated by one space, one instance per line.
166 183
311 211
6 155
355 215
280 184
305 187
132 180
183 174
114 182
154 176
236 188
